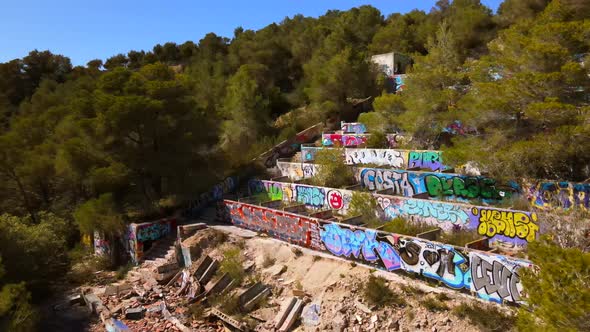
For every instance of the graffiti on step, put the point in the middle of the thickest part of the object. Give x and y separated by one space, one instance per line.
353 127
297 171
509 223
340 140
102 246
437 185
444 214
289 227
352 244
430 160
491 276
558 195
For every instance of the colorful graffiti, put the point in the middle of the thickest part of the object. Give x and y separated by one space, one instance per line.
393 158
344 139
353 127
400 84
437 185
216 193
139 234
447 215
346 242
430 160
102 246
491 276
286 226
509 223
558 195
297 171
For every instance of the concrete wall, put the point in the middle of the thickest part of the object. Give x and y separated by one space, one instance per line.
138 234
560 195
511 226
216 193
398 159
353 127
340 139
490 276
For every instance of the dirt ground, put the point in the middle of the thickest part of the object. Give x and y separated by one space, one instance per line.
331 285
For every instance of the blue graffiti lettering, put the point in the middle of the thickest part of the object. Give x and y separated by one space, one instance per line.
345 242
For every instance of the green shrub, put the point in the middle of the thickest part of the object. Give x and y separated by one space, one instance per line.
412 290
376 292
433 304
232 264
558 293
123 270
332 171
400 225
365 205
377 140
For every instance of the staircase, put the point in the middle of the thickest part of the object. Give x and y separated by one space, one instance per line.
162 251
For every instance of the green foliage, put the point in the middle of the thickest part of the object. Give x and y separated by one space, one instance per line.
400 225
377 140
558 293
25 246
99 215
376 292
433 304
487 318
332 172
365 205
232 264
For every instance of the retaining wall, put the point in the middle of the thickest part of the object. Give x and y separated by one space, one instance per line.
512 226
490 276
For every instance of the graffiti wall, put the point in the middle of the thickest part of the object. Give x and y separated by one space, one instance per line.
428 160
102 246
424 159
297 171
215 194
288 147
437 185
400 83
139 234
547 195
353 127
492 277
354 139
516 227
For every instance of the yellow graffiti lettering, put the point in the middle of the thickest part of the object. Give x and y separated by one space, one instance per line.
507 223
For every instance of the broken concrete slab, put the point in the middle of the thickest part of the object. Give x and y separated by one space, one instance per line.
202 268
223 283
362 307
75 299
292 316
134 313
227 319
299 293
209 272
286 307
253 295
92 302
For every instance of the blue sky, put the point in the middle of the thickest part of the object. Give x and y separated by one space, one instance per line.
86 30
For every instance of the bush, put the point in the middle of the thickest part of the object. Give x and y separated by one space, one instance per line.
232 264
433 304
123 270
400 225
377 293
332 171
363 204
377 140
487 318
558 293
